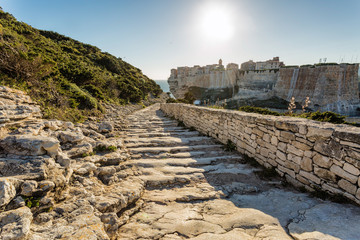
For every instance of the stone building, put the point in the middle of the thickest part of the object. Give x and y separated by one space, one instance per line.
269 64
248 66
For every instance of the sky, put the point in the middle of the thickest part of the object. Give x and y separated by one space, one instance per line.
158 35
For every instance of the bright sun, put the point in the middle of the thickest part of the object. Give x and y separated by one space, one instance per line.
216 23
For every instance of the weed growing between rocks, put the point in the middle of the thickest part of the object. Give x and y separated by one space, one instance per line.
103 148
229 146
181 124
31 201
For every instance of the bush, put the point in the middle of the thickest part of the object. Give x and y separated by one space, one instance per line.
263 111
330 117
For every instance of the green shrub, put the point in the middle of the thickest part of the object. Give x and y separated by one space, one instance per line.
65 77
103 148
263 111
229 146
330 117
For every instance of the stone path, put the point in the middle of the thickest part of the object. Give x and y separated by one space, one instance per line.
196 190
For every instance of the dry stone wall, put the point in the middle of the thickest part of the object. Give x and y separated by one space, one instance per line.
307 153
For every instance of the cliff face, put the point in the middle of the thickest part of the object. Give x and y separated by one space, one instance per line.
214 80
329 87
256 84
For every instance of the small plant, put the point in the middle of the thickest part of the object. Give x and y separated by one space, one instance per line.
103 148
31 201
263 111
251 161
216 107
330 117
292 105
181 124
306 104
192 129
268 173
229 146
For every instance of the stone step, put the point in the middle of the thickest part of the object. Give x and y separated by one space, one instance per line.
200 161
151 125
158 150
166 141
157 130
162 134
178 155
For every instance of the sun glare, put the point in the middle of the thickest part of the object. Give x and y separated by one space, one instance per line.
216 23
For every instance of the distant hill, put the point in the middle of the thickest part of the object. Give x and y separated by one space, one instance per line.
69 79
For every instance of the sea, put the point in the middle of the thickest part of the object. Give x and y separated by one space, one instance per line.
164 85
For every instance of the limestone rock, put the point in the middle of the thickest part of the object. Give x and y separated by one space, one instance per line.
68 136
28 188
15 224
106 127
7 191
30 145
80 150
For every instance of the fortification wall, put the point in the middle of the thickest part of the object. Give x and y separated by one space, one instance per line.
330 87
256 84
216 79
307 153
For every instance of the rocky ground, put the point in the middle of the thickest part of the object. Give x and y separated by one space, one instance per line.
152 180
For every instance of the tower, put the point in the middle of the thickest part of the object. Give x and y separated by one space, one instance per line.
220 62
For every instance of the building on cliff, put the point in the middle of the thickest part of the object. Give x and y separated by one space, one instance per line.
331 87
265 65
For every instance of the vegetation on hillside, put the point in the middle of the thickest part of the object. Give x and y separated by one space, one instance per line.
69 79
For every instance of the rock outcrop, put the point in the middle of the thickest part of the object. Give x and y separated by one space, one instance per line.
60 180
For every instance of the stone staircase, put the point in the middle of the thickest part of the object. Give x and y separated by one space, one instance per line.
196 190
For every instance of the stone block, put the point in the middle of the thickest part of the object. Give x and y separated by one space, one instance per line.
287 135
302 129
342 173
281 155
316 132
264 152
286 170
322 161
294 150
266 137
325 174
287 126
258 132
294 158
353 153
282 146
328 187
302 179
350 144
306 164
358 194
310 177
347 186
309 154
274 141
331 148
300 145
351 169
351 135
271 147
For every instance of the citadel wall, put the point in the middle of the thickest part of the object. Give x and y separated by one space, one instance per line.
330 87
307 153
